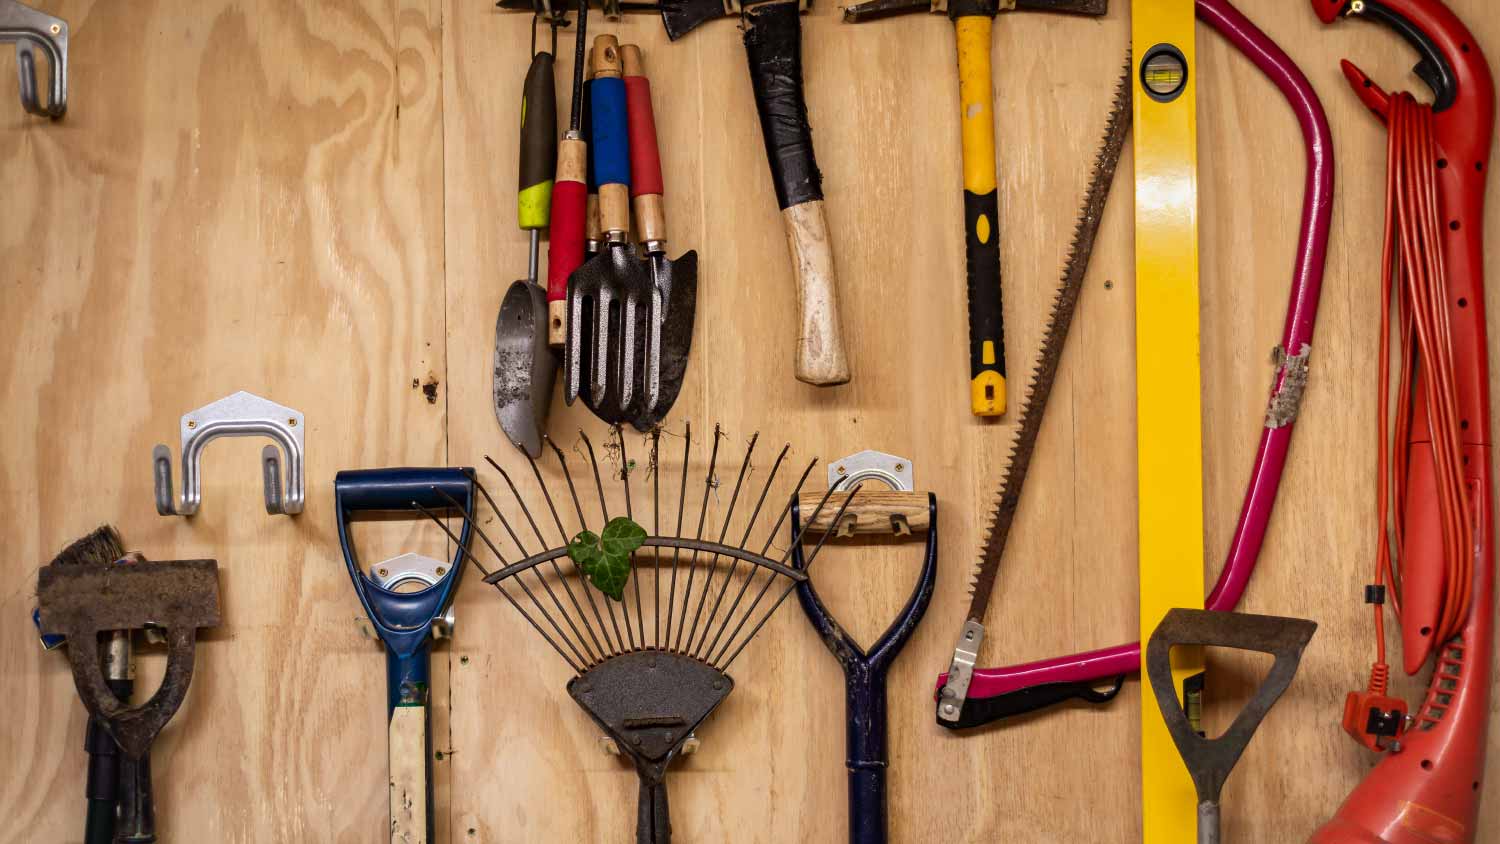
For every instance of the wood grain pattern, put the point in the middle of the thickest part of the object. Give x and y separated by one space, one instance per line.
315 201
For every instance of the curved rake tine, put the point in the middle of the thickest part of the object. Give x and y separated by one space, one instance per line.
687 444
708 480
713 561
604 509
640 616
562 611
735 562
562 462
577 669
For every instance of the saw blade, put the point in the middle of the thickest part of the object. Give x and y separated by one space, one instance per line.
1039 390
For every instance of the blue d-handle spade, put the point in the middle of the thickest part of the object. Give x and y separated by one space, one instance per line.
404 621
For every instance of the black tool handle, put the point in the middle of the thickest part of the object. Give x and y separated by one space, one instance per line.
361 490
102 786
978 711
137 822
538 144
652 823
864 693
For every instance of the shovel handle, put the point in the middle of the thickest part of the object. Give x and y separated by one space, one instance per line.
611 143
646 187
773 44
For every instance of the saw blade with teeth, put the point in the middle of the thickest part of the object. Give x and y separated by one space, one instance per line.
1039 390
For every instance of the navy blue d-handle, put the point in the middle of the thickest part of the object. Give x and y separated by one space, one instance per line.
864 684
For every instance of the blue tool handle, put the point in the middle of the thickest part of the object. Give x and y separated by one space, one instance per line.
408 678
362 490
610 146
865 744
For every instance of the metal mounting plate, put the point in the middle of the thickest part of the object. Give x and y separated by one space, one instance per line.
889 469
240 415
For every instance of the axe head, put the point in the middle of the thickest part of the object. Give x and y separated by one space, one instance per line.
680 17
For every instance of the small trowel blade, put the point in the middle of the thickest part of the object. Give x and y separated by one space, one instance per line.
525 366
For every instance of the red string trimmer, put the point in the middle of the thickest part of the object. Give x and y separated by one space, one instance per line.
1434 491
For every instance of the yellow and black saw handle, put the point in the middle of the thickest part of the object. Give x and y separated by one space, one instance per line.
773 44
981 212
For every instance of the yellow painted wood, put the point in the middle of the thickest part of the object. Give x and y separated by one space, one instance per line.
232 202
1169 433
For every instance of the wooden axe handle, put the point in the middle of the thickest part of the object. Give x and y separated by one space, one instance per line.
773 45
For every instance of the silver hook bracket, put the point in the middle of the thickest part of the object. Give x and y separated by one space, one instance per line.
240 415
416 568
889 469
32 30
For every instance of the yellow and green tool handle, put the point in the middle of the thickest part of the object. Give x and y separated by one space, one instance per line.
538 144
972 27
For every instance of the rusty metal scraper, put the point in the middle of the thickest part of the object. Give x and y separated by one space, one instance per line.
1209 761
83 600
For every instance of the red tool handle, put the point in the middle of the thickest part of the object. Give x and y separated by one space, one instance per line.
565 254
645 158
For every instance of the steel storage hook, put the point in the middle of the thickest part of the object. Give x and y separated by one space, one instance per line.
30 30
240 415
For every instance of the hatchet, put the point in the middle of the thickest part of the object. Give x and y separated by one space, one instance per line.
773 45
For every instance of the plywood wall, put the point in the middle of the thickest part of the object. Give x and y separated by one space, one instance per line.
314 201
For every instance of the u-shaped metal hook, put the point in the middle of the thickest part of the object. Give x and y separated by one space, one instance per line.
32 30
240 415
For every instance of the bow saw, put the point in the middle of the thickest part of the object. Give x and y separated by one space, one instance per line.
969 696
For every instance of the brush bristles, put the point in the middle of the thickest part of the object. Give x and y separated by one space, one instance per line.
102 545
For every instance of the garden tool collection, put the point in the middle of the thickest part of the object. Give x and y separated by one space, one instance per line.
32 31
1436 487
968 696
406 620
1210 761
973 21
80 600
773 44
525 365
865 671
649 667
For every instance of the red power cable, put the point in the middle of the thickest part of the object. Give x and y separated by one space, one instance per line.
1412 264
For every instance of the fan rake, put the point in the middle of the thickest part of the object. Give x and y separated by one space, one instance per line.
652 665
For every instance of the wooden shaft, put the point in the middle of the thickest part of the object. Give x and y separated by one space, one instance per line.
614 208
650 218
820 342
408 752
605 60
871 512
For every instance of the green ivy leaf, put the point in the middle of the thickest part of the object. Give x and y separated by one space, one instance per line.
622 536
605 559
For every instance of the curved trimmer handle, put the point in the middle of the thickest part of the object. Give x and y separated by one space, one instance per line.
865 683
773 42
999 692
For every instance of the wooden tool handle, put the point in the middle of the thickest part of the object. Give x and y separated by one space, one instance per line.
610 146
565 246
820 342
646 187
981 217
871 512
411 783
773 45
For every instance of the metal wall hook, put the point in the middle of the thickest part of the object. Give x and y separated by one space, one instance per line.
30 29
240 415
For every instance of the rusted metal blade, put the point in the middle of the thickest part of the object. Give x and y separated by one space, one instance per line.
525 366
1039 390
